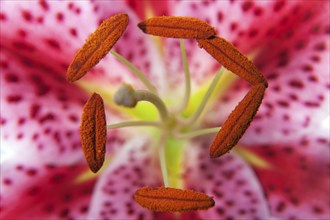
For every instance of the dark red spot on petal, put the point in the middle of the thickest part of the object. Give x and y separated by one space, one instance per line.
47 117
11 78
59 17
233 26
73 32
34 110
296 84
282 103
315 58
44 5
22 33
53 44
219 16
320 46
31 172
300 45
33 191
27 15
311 104
64 213
278 6
253 33
247 6
14 98
307 68
258 11
24 46
3 17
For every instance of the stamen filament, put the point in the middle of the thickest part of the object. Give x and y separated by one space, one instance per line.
208 94
143 95
136 71
133 124
186 98
196 133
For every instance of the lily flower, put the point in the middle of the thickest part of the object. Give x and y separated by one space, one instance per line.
279 168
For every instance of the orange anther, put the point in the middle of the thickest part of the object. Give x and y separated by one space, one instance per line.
231 58
177 27
172 200
93 132
237 122
97 46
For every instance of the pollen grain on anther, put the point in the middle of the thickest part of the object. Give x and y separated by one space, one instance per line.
165 199
93 132
177 27
97 46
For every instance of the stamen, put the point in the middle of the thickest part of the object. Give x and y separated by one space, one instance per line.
136 71
237 122
208 94
172 200
93 132
186 98
177 27
128 97
133 124
196 133
97 46
231 58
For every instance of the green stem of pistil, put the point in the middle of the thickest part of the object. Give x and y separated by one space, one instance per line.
134 123
136 71
197 133
162 159
142 95
201 107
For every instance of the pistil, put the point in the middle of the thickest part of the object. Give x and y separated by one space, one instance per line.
128 97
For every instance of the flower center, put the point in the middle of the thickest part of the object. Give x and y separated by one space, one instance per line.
173 124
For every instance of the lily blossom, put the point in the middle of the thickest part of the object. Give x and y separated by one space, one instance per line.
279 169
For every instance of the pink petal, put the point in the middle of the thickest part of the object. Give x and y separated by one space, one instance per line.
135 46
35 190
133 167
229 180
40 112
297 184
50 30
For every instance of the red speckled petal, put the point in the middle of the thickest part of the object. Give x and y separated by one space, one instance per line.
40 111
49 32
297 100
133 167
38 191
297 183
135 46
233 185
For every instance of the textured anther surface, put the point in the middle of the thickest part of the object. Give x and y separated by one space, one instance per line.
165 199
93 132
